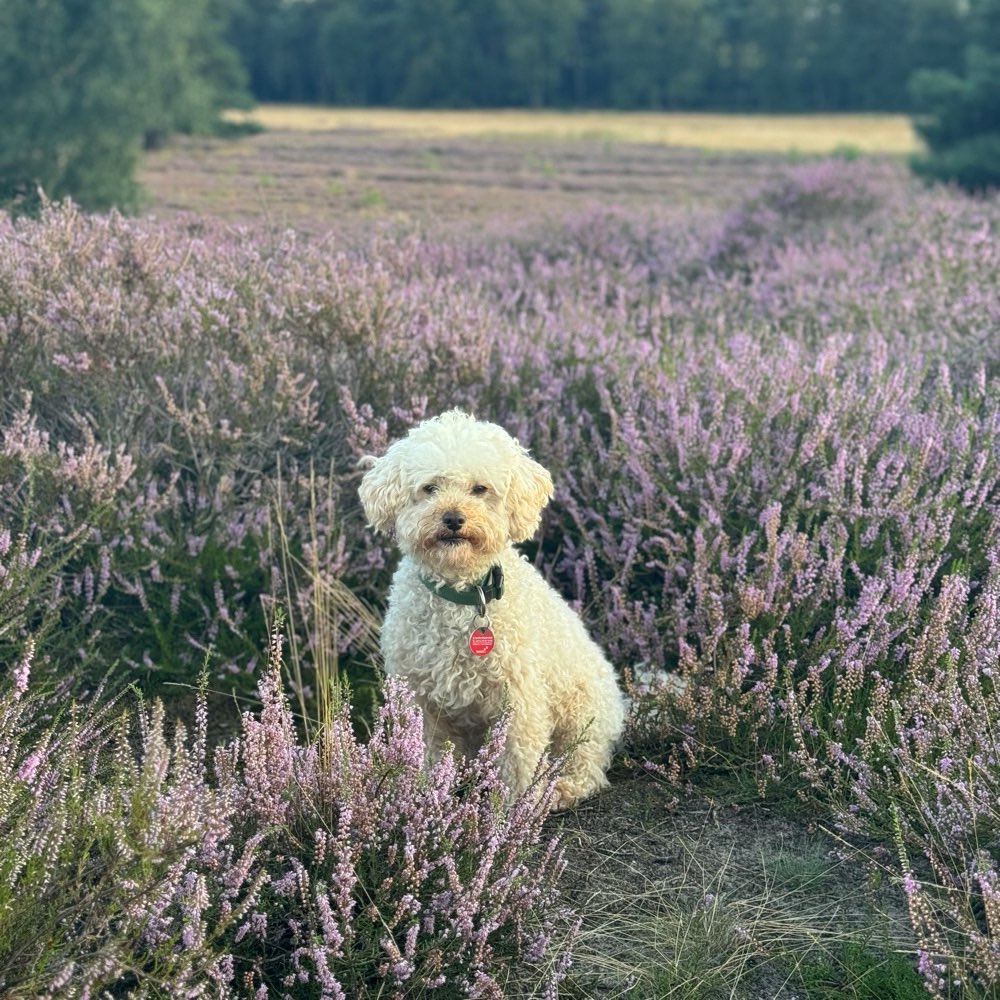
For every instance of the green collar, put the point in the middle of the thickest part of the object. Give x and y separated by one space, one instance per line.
490 588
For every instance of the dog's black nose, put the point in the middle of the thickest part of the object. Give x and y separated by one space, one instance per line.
453 519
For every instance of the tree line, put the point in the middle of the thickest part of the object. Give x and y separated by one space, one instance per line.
87 84
739 55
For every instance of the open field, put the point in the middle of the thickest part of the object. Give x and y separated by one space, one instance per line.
768 390
316 168
812 134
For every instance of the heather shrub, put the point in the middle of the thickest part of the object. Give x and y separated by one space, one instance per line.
419 880
91 831
133 864
926 769
773 433
54 500
804 593
800 204
227 372
240 371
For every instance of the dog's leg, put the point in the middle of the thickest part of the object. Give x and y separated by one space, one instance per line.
439 732
527 740
589 756
582 776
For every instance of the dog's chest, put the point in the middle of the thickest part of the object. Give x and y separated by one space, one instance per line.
425 640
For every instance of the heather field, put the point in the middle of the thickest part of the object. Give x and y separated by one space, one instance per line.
772 412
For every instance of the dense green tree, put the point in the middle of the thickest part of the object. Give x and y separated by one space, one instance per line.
959 113
71 122
260 32
766 55
657 52
775 32
346 65
542 45
962 122
86 82
410 52
727 79
936 34
873 69
191 71
482 47
427 39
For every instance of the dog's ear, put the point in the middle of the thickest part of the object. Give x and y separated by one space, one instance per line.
530 490
381 491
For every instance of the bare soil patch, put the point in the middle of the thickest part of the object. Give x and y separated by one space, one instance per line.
345 179
694 899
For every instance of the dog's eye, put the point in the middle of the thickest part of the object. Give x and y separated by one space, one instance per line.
430 489
478 490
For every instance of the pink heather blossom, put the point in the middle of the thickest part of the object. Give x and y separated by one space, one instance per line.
29 766
23 669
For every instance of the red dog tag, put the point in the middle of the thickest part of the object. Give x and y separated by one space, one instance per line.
481 641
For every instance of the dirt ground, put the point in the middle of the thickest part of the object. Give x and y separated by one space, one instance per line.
349 178
695 899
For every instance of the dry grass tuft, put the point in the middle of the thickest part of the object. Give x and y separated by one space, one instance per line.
819 133
706 903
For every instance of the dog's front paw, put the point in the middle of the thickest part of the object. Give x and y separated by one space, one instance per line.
570 790
566 795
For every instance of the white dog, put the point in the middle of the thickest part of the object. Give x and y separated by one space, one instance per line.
472 627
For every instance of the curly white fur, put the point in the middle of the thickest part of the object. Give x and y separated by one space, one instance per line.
457 493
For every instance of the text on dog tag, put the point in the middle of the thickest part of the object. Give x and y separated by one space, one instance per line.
481 641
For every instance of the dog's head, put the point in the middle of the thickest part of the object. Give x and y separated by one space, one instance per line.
453 492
